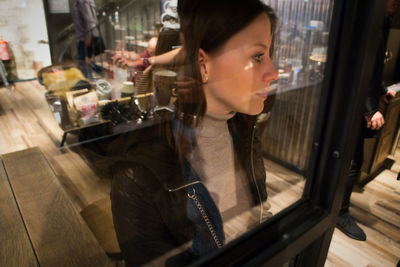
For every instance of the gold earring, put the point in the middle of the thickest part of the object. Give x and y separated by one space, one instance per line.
205 78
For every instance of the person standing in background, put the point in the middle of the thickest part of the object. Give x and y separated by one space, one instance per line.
372 121
168 33
85 23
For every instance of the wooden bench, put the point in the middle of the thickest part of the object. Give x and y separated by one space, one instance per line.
39 225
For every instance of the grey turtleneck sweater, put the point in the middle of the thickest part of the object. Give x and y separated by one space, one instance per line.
215 162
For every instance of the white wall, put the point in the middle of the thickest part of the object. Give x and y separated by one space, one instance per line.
23 25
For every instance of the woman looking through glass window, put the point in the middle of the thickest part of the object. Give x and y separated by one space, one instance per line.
183 179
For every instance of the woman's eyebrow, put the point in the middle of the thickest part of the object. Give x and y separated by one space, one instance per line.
261 45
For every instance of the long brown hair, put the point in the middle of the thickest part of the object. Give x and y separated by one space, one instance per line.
207 24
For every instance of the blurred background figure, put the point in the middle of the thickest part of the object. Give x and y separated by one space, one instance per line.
372 121
85 23
139 62
167 40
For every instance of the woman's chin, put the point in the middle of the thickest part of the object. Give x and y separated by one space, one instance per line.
254 110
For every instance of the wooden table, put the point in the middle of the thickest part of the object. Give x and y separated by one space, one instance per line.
39 225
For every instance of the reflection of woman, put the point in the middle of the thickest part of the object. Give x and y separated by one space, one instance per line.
205 167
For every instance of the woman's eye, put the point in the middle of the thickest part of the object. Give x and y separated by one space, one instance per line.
258 57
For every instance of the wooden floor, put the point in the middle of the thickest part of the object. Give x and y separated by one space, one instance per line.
26 121
377 209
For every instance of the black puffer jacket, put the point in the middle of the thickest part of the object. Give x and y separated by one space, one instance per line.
149 210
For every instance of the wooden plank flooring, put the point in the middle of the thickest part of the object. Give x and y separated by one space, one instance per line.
377 209
16 249
26 121
58 233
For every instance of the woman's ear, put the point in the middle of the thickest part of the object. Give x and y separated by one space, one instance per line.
203 60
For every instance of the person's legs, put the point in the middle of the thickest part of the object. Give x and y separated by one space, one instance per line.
82 57
96 47
352 177
89 49
346 222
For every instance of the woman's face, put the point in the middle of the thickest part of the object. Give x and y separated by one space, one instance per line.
240 72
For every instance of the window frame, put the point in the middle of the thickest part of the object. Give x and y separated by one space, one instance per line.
304 230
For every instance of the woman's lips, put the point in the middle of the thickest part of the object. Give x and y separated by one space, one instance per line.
269 90
262 94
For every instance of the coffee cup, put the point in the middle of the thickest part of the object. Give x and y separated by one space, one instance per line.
164 85
127 89
103 89
171 25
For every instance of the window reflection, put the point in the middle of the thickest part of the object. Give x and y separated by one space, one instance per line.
301 57
204 130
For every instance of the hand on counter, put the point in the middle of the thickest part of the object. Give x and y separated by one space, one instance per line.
375 121
125 62
125 58
125 54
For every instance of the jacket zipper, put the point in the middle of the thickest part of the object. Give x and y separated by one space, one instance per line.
206 219
253 172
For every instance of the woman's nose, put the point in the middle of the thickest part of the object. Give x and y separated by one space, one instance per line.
271 73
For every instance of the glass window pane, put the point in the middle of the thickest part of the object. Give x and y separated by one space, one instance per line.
198 142
288 133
